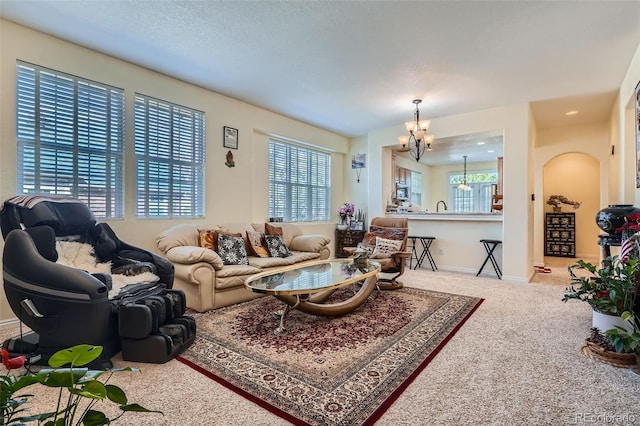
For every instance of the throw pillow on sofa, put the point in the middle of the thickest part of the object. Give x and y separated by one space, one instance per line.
209 237
276 246
273 230
232 250
257 247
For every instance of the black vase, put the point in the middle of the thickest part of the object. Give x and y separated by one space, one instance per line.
613 217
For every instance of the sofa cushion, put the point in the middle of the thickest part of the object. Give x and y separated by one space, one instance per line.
192 254
275 262
257 245
271 262
237 271
289 230
276 246
177 236
232 250
301 256
313 243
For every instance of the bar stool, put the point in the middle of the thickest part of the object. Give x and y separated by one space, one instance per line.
426 252
414 254
490 246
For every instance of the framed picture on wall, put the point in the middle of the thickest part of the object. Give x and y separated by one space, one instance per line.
638 135
230 137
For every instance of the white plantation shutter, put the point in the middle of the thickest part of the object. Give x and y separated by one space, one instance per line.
70 138
299 183
169 148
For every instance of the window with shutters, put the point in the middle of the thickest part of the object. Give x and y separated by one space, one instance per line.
299 183
70 136
475 200
169 152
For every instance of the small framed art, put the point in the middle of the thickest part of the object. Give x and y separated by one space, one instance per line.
230 137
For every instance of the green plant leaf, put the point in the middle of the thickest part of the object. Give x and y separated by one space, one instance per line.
626 316
619 345
95 418
76 356
138 408
115 394
94 389
64 377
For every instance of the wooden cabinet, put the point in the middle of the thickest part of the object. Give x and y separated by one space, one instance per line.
560 235
347 238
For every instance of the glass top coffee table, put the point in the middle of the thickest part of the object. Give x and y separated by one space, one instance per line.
306 286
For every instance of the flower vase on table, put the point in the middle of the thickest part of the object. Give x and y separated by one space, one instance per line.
345 212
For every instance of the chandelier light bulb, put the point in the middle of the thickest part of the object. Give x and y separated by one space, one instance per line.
424 124
410 125
403 140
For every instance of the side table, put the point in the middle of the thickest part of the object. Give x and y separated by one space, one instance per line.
347 238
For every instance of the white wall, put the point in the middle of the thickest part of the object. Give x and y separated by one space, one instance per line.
236 194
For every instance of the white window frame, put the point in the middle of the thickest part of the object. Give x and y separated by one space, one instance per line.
169 145
291 169
475 200
70 138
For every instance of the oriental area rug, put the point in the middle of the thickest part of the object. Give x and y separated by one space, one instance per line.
327 371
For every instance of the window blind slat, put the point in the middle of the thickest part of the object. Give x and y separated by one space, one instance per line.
169 148
299 181
70 138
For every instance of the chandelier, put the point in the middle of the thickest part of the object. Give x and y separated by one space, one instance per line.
464 186
417 135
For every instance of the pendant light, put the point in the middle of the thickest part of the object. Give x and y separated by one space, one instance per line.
463 186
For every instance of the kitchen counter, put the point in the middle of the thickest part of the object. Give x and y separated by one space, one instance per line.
457 236
468 217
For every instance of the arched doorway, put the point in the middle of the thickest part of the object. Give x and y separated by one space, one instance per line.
577 177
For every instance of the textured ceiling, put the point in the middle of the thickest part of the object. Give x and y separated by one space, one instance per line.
355 66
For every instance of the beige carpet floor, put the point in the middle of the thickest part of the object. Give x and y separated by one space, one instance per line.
516 361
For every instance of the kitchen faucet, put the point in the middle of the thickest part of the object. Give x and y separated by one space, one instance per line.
438 206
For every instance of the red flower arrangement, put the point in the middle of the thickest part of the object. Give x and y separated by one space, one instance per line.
631 225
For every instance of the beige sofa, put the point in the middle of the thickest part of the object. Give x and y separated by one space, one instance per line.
208 283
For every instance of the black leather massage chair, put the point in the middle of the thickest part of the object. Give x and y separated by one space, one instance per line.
65 306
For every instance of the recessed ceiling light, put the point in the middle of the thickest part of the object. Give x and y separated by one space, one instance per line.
491 150
574 112
481 143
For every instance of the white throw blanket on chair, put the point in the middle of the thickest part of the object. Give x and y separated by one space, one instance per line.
81 256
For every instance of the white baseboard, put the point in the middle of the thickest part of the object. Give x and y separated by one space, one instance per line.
9 322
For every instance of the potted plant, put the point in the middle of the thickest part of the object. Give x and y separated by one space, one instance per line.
610 289
556 200
81 384
625 339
